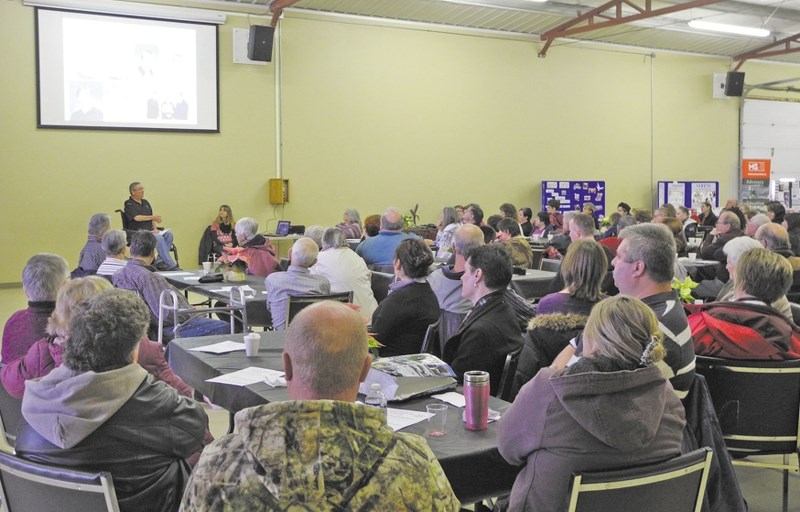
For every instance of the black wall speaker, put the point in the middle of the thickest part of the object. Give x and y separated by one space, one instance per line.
259 47
734 83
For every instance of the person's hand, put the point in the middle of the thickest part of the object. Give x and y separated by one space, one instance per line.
157 218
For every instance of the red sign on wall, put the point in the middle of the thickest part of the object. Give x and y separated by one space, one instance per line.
755 169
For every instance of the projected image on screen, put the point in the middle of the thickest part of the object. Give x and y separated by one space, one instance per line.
118 72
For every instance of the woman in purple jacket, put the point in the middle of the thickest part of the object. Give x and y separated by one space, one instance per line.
610 409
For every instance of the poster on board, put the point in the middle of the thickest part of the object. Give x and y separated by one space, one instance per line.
704 192
574 194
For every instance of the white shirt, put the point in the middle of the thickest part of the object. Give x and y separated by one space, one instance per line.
347 271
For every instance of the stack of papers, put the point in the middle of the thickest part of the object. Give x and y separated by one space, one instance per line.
222 347
252 375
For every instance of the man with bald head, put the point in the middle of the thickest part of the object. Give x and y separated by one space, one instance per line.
319 450
297 280
379 250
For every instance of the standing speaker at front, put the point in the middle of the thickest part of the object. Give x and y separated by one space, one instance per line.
259 47
734 83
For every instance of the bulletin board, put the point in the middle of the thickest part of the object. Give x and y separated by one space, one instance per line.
574 194
690 194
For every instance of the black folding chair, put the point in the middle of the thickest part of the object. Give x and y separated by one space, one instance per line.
677 485
299 302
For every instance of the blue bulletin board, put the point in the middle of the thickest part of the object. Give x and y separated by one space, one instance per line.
573 195
688 193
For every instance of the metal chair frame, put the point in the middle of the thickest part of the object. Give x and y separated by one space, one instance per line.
236 302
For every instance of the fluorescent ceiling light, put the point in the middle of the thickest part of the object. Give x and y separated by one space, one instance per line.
729 29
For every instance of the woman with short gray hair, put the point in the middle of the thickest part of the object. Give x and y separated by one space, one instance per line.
346 271
114 243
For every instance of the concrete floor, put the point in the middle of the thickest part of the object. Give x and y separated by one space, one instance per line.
761 487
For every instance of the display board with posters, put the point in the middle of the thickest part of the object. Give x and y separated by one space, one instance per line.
573 195
690 194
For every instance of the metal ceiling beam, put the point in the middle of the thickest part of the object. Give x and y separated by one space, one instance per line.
612 13
763 52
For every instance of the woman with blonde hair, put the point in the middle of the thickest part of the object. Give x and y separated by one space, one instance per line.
47 353
612 408
583 269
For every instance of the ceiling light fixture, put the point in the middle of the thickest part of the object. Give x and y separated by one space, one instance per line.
729 29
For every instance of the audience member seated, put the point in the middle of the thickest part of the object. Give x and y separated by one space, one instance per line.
557 222
733 251
612 228
755 222
776 212
774 237
372 226
689 224
140 277
379 250
92 254
223 230
42 277
257 248
345 271
644 267
581 227
319 450
508 211
583 271
707 216
611 243
447 224
747 327
509 234
588 209
114 244
557 247
791 221
642 216
446 282
541 225
494 220
676 227
524 217
351 224
727 228
100 411
402 318
489 233
490 331
140 217
611 409
47 353
624 209
297 280
473 214
314 232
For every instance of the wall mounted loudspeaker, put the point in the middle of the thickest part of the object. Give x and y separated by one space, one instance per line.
734 83
259 46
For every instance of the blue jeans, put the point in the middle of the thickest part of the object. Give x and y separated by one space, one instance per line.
200 326
163 243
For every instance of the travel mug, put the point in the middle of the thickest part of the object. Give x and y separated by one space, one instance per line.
476 393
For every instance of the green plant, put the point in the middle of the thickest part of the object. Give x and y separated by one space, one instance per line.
684 288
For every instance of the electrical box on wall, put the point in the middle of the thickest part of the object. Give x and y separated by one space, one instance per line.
719 86
278 191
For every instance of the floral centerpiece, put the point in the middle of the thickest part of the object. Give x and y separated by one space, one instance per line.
233 263
684 288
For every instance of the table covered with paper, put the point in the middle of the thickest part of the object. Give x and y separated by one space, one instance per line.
217 367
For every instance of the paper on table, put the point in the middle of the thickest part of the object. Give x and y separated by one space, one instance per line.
249 375
173 274
402 418
452 398
227 289
192 278
222 347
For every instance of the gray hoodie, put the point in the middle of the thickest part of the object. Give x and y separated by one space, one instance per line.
67 406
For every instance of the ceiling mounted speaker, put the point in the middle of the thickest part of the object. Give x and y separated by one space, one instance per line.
259 46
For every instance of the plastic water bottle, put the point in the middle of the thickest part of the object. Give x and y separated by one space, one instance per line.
376 398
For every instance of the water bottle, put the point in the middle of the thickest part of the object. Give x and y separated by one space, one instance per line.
376 398
476 394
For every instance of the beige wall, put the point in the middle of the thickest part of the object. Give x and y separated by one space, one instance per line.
372 116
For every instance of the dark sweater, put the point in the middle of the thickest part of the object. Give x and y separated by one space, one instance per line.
402 318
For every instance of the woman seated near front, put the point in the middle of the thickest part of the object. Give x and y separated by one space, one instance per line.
490 331
508 232
541 225
223 228
403 317
351 224
583 270
747 327
448 223
611 409
258 250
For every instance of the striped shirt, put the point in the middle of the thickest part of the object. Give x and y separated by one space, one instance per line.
678 363
110 266
92 254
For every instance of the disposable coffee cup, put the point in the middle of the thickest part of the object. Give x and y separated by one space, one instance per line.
251 342
692 255
206 268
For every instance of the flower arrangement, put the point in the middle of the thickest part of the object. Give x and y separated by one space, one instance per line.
684 288
234 258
